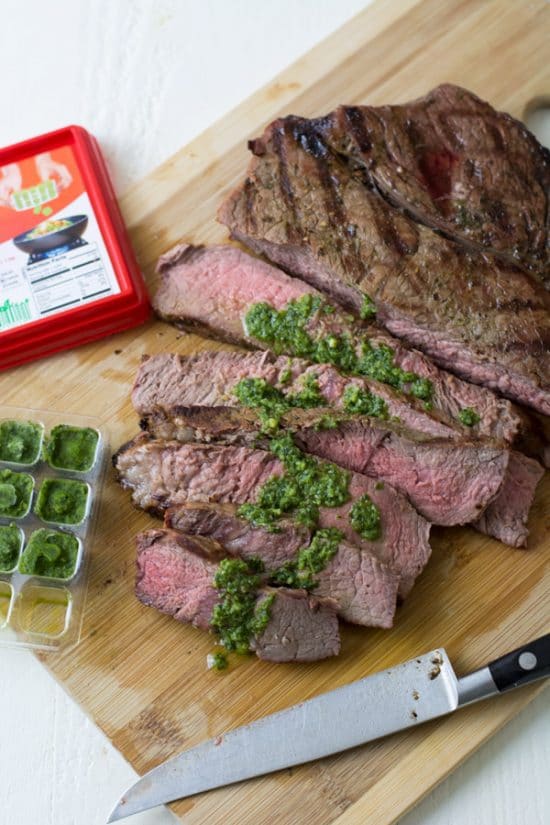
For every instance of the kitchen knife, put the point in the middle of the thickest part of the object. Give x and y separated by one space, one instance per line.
389 701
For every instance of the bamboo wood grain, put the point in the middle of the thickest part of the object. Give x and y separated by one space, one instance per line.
141 676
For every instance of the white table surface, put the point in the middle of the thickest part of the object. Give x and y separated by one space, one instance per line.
146 76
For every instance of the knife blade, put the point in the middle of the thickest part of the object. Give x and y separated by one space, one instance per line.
404 696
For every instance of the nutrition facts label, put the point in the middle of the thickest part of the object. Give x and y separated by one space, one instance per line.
59 265
68 279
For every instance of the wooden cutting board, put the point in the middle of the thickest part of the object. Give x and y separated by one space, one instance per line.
141 676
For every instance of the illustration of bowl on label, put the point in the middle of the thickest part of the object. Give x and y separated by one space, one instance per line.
53 236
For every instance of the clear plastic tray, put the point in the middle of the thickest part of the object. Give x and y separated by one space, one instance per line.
41 611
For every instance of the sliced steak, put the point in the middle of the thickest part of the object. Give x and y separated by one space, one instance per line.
363 589
449 481
316 215
210 289
168 381
175 574
506 516
457 165
163 474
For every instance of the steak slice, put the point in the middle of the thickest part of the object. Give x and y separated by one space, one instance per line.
175 574
311 212
163 474
506 516
457 165
168 381
363 589
448 481
210 290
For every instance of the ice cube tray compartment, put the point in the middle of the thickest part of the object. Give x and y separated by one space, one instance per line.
43 610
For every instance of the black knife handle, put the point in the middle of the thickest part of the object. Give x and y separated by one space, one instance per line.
526 664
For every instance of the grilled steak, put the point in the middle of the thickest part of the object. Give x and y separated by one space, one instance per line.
175 574
363 590
169 381
210 289
506 516
448 481
316 214
457 165
163 474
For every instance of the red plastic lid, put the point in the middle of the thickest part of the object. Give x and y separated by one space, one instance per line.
68 274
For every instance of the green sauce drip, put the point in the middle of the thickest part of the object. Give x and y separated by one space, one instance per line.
19 441
468 417
357 400
310 560
285 331
51 554
368 308
219 661
62 500
71 448
365 518
237 618
10 545
15 493
306 485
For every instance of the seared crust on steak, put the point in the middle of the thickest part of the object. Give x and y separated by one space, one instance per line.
314 213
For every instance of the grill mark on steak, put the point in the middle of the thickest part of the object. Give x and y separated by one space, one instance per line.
285 188
249 196
311 142
461 331
354 117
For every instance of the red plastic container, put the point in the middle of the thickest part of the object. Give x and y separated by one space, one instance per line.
68 274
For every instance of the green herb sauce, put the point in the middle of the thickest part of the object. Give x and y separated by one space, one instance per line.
363 402
309 560
71 448
237 618
10 545
62 500
365 518
468 417
287 330
306 485
326 422
368 308
51 554
285 376
310 394
20 441
15 493
219 661
271 404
